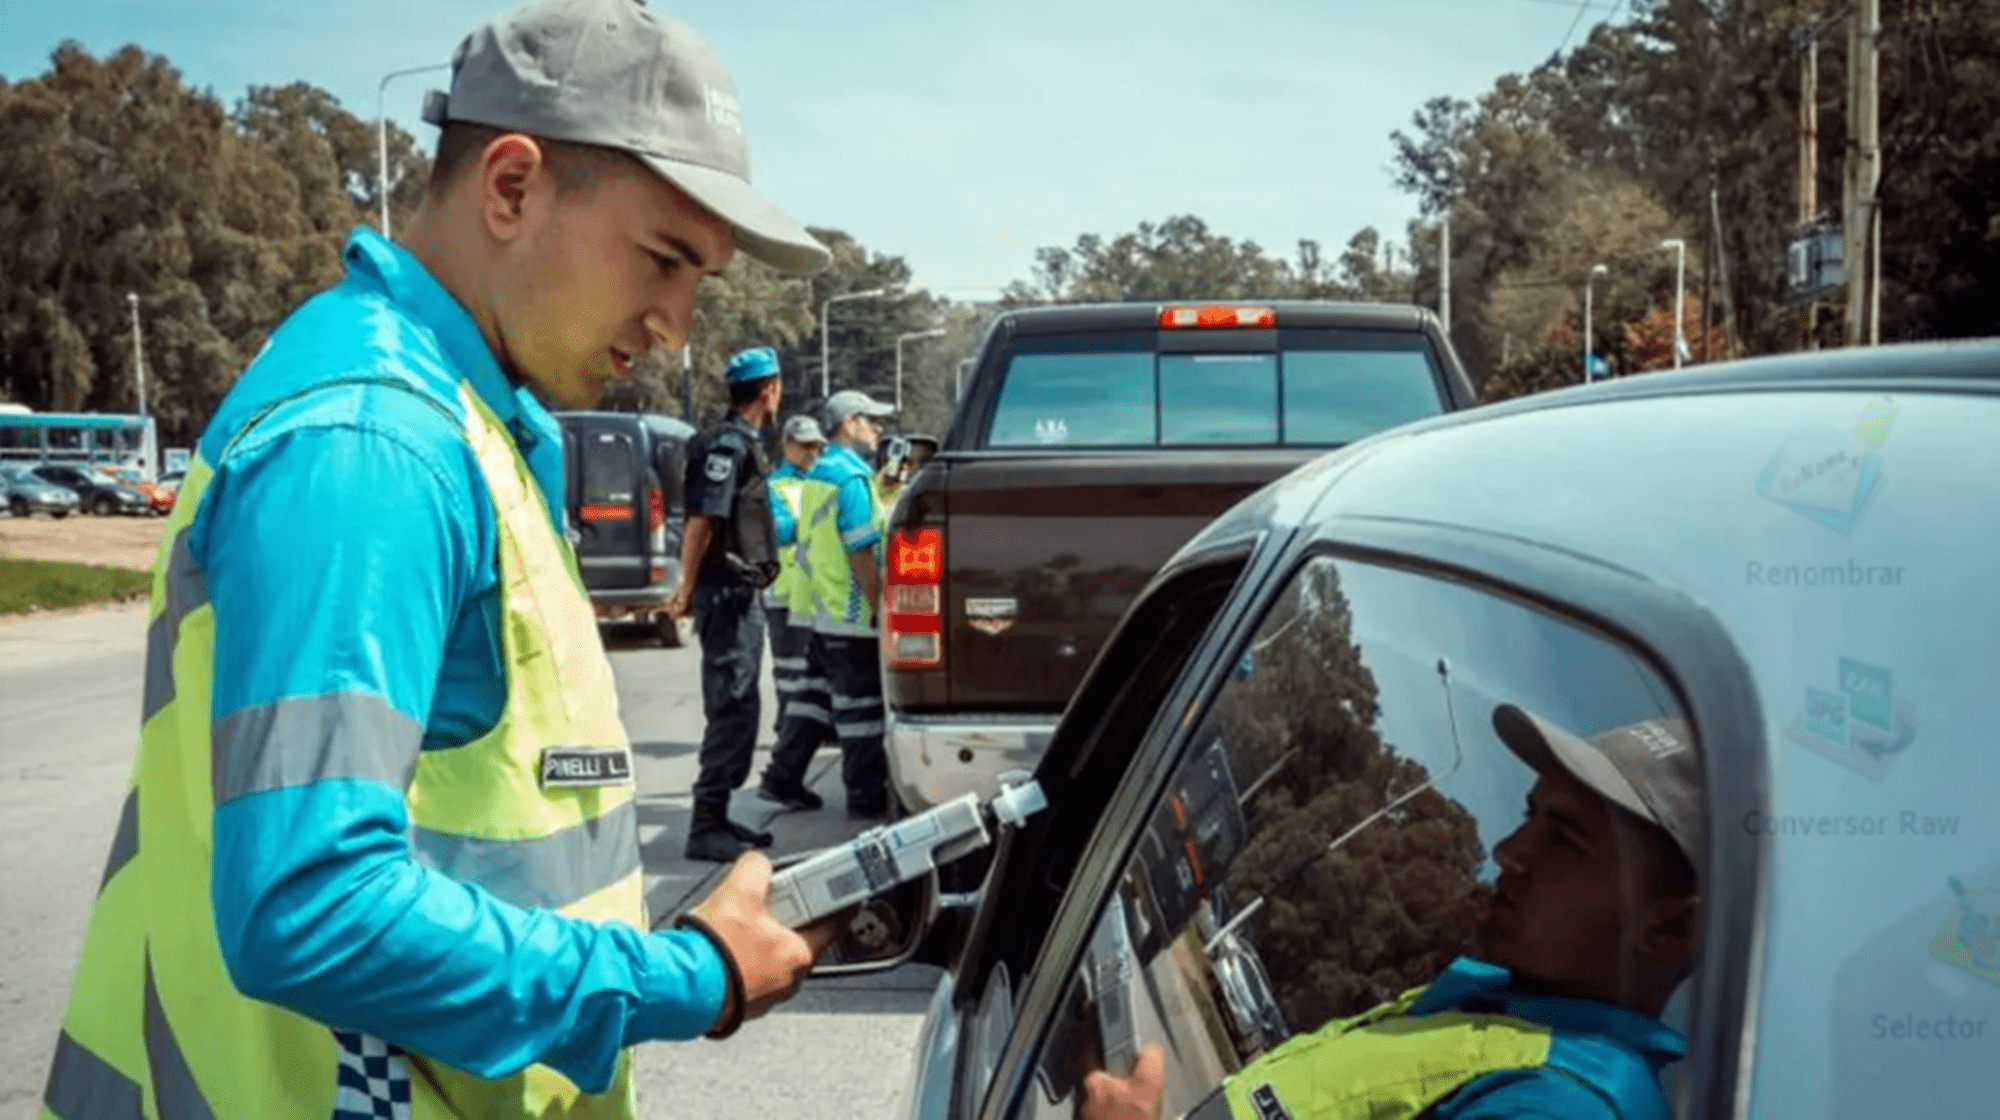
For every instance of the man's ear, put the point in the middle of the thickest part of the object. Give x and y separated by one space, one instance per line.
513 175
1673 930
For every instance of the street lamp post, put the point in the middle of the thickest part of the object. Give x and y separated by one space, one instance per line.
382 132
1680 285
1595 272
826 382
900 339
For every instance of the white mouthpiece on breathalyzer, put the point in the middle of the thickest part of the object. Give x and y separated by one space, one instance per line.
1015 804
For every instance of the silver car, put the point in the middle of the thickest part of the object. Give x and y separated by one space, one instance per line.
28 494
1322 761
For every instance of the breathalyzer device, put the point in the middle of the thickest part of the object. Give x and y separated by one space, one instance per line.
889 854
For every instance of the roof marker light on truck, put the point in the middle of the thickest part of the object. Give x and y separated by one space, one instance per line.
1217 315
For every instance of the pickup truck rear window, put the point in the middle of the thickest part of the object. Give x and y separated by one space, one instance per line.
1354 384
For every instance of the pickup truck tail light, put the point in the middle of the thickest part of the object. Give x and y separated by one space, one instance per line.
1216 315
913 599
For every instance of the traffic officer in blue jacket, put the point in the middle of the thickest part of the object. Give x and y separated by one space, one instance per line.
729 555
379 854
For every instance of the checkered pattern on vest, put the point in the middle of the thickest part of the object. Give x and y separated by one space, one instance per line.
374 1079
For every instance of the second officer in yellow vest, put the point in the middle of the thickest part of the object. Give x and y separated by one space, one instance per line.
801 688
837 598
379 857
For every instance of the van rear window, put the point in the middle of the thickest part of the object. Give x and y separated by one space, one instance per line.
1337 388
609 468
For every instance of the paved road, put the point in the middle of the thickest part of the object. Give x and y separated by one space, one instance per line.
69 702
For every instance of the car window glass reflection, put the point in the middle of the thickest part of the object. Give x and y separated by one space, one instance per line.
1432 851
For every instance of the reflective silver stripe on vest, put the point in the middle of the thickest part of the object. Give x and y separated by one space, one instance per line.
125 842
304 739
187 592
550 871
175 1093
83 1086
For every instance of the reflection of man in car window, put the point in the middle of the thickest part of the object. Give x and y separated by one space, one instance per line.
1591 926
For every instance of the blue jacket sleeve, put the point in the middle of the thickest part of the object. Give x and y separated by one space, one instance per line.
783 519
338 558
1525 1094
855 515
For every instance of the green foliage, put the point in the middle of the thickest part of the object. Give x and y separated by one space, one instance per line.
1395 902
1683 122
27 585
123 180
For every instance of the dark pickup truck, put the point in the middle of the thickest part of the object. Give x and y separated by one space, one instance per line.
1092 442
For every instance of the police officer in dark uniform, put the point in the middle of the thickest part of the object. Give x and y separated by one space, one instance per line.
728 556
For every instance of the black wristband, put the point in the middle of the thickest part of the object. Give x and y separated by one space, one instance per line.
737 1000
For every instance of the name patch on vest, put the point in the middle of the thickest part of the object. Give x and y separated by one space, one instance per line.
586 766
1265 1100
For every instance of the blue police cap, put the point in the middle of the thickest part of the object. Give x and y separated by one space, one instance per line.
754 364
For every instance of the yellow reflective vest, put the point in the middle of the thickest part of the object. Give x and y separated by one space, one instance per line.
155 1027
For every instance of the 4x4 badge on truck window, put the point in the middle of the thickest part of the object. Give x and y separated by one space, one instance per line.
991 616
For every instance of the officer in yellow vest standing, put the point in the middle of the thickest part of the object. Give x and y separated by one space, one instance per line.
838 598
380 855
1594 921
802 691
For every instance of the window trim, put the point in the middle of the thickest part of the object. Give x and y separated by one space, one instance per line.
1687 646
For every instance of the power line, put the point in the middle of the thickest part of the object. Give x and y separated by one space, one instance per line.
1581 7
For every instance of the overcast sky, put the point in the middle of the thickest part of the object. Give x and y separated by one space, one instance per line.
958 134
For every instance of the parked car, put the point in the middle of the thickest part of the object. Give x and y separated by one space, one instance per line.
27 494
98 494
159 498
1276 797
1092 442
623 474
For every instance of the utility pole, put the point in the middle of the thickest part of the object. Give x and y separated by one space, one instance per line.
1444 272
138 350
1721 268
1679 246
1860 209
1809 166
1588 281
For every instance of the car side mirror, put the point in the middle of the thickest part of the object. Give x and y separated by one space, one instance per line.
885 931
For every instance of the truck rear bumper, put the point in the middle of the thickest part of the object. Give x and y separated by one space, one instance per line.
933 759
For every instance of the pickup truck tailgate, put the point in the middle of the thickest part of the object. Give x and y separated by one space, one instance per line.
1045 554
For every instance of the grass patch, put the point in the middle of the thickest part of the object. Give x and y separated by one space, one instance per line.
38 584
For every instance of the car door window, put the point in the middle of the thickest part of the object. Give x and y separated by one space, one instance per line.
1328 844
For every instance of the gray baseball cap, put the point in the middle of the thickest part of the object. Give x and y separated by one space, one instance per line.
803 429
849 402
617 74
1648 768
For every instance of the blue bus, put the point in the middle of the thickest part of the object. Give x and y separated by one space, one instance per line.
78 437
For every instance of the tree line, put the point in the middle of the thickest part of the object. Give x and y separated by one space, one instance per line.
1681 122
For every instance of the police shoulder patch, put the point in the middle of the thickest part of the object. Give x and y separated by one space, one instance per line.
719 466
